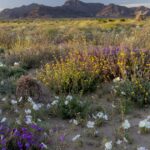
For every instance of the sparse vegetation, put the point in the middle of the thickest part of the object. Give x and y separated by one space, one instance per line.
84 79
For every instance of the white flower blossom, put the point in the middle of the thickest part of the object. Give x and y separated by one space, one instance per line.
55 102
57 97
37 106
74 121
4 99
16 64
90 124
28 111
142 148
30 100
28 119
69 98
108 145
48 106
3 120
116 80
123 93
66 102
20 99
76 137
18 121
100 115
125 139
144 124
1 64
39 120
126 124
44 145
118 142
13 102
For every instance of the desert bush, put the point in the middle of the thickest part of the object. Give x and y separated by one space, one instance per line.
8 72
137 91
28 87
70 107
7 87
134 63
32 58
78 72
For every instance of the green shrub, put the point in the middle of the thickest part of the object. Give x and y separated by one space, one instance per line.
70 107
137 92
16 72
7 87
2 50
7 72
79 72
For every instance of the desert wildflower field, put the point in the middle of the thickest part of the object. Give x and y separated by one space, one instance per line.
75 84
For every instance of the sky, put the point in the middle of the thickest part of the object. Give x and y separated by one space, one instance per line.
16 3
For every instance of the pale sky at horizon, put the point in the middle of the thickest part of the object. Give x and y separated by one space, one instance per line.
16 3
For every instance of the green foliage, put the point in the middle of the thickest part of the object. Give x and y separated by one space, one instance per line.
7 87
137 92
74 74
8 72
70 107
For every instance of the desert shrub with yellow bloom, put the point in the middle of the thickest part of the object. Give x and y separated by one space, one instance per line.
83 70
78 72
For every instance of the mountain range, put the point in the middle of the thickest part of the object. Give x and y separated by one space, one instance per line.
73 9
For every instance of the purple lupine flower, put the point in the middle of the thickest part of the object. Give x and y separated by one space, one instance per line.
36 127
62 138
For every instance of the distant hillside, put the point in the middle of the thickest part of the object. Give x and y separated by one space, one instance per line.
72 9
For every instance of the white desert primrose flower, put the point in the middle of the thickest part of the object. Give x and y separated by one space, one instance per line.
55 102
13 102
69 98
74 121
4 99
2 82
30 100
144 124
90 124
48 106
66 102
3 119
28 119
20 99
1 64
36 107
57 97
116 80
28 111
76 137
108 145
118 142
18 121
126 125
142 148
100 115
16 64
39 120
44 146
123 93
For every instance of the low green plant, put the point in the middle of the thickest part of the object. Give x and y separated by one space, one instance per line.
137 91
70 107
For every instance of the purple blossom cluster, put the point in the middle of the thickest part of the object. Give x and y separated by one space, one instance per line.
22 138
